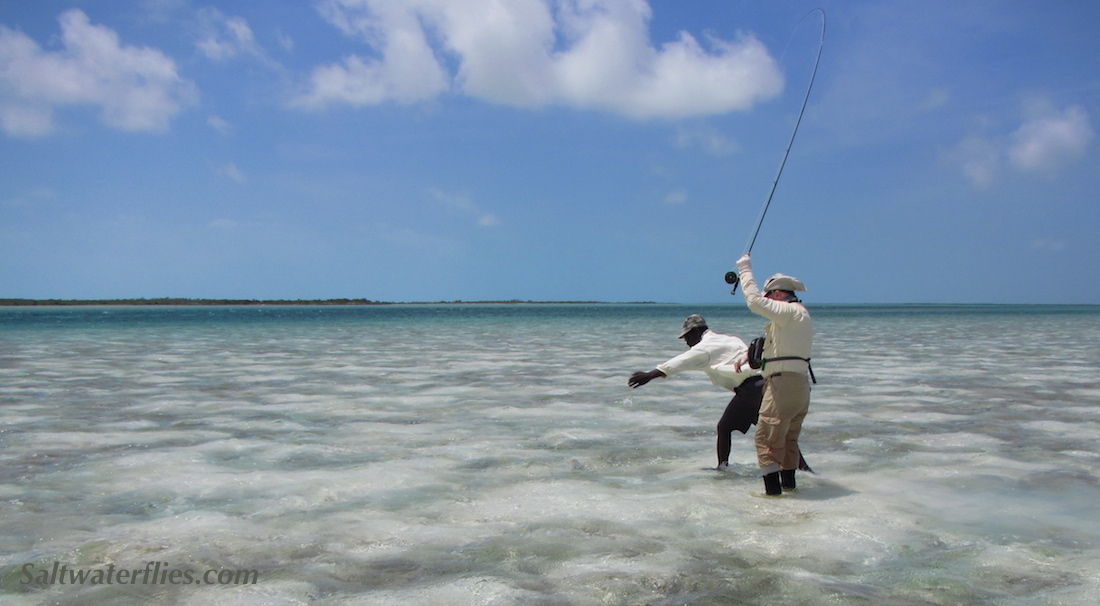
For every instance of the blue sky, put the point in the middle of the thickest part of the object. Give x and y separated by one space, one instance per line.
613 150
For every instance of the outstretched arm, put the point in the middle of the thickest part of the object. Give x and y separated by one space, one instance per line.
641 378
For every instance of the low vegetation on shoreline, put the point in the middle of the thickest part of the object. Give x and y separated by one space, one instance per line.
181 301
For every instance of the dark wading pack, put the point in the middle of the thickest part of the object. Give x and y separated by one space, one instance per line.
756 353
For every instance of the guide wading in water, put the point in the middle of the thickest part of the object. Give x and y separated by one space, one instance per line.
717 355
771 377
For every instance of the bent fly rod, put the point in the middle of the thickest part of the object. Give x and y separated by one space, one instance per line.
732 277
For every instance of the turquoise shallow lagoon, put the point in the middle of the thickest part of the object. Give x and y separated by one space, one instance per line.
493 454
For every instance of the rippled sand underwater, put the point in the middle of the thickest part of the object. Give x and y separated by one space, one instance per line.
496 456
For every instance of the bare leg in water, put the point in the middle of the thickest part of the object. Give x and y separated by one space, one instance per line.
740 414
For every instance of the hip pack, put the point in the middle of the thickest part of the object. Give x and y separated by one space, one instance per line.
758 361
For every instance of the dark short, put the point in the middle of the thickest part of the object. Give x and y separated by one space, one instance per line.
742 411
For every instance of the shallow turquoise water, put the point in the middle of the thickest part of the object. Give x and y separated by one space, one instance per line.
493 454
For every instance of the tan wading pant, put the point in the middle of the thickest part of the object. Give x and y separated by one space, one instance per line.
786 402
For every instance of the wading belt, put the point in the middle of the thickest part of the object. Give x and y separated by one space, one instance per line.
765 361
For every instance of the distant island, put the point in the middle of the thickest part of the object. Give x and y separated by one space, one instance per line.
181 301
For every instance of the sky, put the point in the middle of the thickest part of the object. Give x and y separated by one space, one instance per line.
549 150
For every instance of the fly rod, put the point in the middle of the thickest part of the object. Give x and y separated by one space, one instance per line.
732 277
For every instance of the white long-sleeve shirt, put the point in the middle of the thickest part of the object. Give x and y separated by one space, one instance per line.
714 354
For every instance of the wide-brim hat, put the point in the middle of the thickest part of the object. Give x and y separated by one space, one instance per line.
782 282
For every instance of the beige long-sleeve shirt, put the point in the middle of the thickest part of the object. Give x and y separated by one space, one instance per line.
790 332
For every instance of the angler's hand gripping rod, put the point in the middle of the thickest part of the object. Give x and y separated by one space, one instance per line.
731 276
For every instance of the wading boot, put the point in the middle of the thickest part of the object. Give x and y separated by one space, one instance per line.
771 484
787 479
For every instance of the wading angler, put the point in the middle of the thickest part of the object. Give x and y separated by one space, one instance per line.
785 365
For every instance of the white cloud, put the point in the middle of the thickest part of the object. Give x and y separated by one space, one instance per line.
227 38
33 198
231 37
1048 245
25 121
220 124
233 172
285 41
979 159
136 89
163 11
708 139
530 53
1044 143
408 70
463 205
406 77
489 220
676 197
935 99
